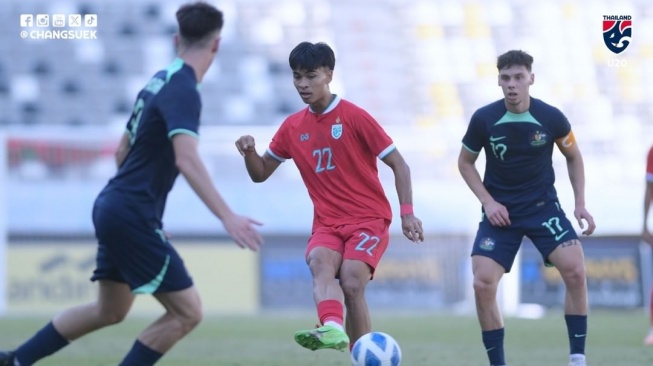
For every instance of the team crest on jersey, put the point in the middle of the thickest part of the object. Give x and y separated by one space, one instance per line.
617 31
487 244
336 130
539 138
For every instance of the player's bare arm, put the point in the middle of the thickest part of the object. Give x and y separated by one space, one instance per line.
259 168
123 149
575 167
648 197
410 224
496 213
191 166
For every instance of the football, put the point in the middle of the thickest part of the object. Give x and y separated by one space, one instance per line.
376 349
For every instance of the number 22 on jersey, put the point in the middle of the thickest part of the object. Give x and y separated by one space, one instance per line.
324 159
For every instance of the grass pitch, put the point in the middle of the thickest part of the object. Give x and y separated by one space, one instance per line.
615 338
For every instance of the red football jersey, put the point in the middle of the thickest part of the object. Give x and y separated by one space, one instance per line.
649 166
336 154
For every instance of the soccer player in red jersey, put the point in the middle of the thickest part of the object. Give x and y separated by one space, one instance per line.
335 144
646 233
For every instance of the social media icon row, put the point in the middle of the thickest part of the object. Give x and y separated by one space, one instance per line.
58 20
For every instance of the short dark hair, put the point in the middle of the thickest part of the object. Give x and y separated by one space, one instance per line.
310 56
515 58
197 21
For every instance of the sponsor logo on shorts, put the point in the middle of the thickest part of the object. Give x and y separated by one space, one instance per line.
487 244
559 236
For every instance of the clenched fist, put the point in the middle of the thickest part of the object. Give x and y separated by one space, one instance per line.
246 145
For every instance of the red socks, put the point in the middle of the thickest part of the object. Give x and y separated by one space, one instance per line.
330 310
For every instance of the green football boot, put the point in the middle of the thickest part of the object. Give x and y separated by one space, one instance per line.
324 337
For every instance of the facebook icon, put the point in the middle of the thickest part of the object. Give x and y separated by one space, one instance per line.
26 20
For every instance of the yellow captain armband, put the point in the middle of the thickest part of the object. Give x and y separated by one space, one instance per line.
568 140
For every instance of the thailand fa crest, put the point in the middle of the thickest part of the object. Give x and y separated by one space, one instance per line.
336 130
617 32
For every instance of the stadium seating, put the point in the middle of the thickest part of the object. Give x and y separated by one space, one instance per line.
424 63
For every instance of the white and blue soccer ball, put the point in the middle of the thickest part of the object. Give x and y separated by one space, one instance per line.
376 349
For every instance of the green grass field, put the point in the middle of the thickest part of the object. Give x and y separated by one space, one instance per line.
426 340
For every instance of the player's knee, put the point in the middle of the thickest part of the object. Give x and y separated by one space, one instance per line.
321 268
192 316
574 276
110 316
315 265
484 287
189 318
352 286
193 322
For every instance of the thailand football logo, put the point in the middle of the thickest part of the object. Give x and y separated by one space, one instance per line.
336 130
617 32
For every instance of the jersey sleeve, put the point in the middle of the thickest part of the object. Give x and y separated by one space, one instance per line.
135 115
179 103
476 135
560 126
279 146
649 166
370 131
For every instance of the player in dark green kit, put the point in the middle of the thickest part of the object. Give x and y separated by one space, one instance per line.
518 134
134 256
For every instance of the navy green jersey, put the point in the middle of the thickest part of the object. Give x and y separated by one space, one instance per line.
169 104
518 147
